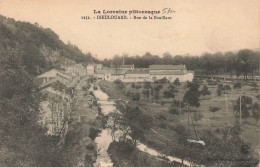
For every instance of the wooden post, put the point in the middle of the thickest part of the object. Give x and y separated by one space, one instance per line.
188 120
180 107
226 103
240 110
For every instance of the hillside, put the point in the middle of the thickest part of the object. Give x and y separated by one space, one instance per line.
41 48
27 50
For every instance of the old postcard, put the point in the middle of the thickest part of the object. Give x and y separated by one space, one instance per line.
118 83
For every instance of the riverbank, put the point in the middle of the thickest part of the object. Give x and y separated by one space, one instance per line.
80 147
140 156
123 154
111 90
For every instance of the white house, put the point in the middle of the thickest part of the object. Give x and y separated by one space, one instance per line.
76 70
127 73
53 76
136 76
171 72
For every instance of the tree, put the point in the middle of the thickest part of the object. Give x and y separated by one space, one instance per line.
93 132
168 94
254 63
135 96
177 82
244 57
171 87
118 123
226 88
137 121
213 110
158 87
245 106
163 80
255 111
21 134
176 106
237 85
219 90
197 116
255 86
138 86
146 92
205 91
191 99
180 149
156 95
147 85
133 85
119 84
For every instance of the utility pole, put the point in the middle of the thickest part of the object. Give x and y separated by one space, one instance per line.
188 119
226 103
180 107
240 110
123 58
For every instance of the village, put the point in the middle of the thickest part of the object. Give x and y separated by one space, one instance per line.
159 93
179 89
59 87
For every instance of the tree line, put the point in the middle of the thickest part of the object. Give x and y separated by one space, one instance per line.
244 62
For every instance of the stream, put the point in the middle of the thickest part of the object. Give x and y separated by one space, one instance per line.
104 139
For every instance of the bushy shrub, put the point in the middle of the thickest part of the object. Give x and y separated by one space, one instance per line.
161 117
121 149
90 147
237 85
197 116
93 133
163 125
174 110
88 158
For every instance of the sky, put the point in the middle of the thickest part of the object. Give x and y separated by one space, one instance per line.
197 26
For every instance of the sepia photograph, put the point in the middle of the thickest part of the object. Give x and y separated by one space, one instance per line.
122 83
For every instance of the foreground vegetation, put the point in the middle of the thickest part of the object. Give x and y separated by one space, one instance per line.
177 112
23 141
124 154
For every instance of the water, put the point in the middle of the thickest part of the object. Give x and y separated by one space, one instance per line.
153 152
104 139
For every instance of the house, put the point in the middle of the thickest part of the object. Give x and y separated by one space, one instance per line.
127 73
98 67
136 76
170 72
52 76
76 70
94 69
114 74
90 69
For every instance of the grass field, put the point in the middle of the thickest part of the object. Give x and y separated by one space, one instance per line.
160 135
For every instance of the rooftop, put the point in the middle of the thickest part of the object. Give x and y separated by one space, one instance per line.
137 72
167 67
167 72
53 73
121 66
